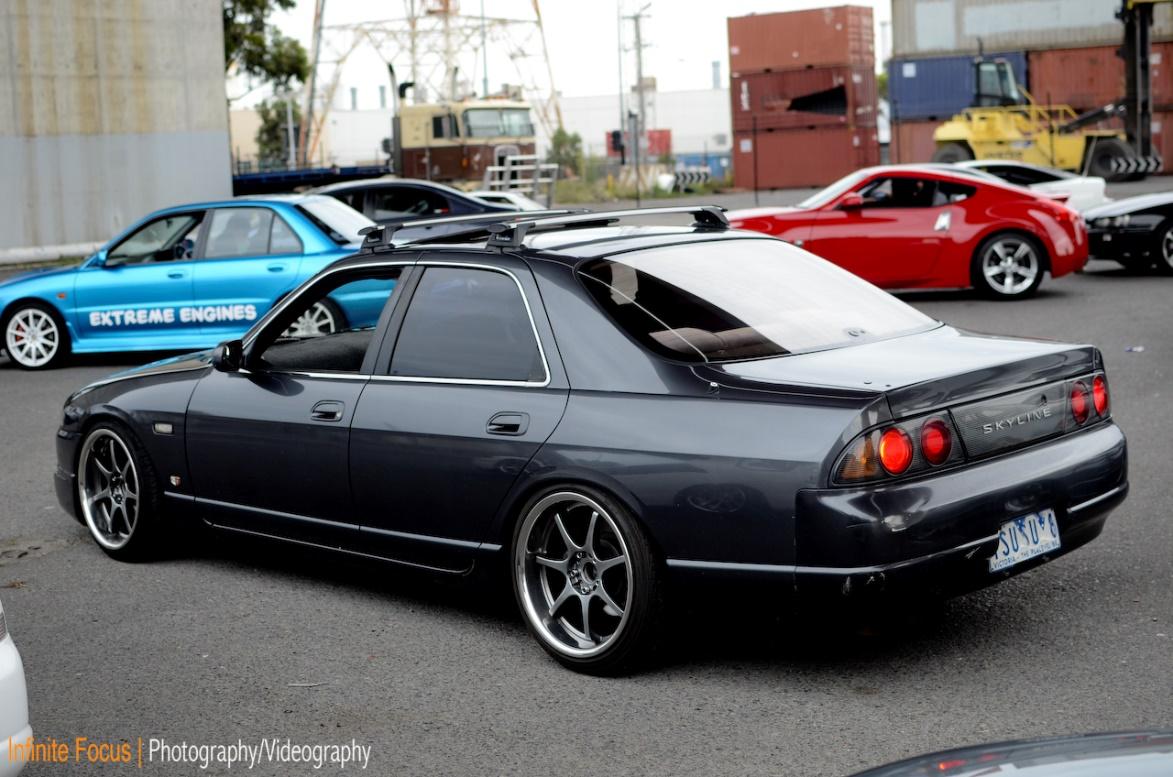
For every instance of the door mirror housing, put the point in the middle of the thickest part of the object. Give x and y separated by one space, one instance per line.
851 201
228 356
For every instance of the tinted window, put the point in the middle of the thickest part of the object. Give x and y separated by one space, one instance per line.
328 328
741 299
239 232
166 239
467 323
392 202
899 193
337 221
282 239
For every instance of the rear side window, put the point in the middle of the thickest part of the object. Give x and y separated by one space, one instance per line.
282 239
239 232
399 201
732 300
469 324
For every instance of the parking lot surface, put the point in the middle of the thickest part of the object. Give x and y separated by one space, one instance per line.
227 642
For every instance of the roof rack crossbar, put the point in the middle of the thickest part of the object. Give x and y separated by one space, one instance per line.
511 234
380 237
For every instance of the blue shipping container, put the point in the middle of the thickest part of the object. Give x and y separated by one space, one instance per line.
719 163
939 87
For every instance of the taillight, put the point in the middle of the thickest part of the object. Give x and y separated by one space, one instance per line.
895 451
1100 394
936 442
1080 410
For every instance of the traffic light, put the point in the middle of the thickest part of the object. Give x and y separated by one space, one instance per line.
617 141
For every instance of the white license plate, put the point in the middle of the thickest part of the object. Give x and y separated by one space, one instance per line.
1026 537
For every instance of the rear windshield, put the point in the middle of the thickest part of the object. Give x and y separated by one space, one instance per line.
339 221
730 300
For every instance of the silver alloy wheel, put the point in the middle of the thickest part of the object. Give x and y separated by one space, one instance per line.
574 574
32 337
108 487
1167 247
317 320
1010 265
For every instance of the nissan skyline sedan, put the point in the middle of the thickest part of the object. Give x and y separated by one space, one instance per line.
604 409
933 227
182 278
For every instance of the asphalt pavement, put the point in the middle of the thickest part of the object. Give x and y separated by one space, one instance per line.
227 641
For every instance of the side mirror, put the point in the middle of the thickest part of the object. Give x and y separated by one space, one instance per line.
851 201
228 356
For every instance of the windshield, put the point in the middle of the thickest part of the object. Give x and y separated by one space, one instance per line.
844 184
341 222
730 300
498 122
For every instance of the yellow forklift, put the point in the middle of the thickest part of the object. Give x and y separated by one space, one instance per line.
1005 122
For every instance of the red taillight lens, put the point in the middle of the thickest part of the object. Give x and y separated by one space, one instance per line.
1100 394
936 441
1079 405
895 451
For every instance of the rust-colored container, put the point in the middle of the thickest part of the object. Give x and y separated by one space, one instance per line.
1163 137
819 97
1092 77
822 37
912 141
791 158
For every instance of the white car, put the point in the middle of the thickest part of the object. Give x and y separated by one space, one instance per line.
1082 192
509 199
14 705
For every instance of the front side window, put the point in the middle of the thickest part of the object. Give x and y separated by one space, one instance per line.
468 324
899 192
732 300
172 238
328 328
239 232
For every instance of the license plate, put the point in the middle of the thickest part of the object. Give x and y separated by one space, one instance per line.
1024 538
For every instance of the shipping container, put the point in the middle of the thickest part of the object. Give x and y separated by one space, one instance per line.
819 97
659 143
939 87
930 27
821 37
1163 137
1092 77
784 159
912 142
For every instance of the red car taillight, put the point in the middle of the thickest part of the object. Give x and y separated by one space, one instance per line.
936 441
895 451
1080 410
1100 394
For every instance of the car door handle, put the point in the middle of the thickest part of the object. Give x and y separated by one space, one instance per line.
276 268
508 423
177 274
327 410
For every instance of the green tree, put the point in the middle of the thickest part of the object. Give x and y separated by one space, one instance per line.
257 48
272 135
882 85
565 150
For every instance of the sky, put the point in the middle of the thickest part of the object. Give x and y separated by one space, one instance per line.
683 38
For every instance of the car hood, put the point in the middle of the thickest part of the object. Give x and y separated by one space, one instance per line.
47 272
917 371
1129 205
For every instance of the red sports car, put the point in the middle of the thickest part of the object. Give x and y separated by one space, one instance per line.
923 226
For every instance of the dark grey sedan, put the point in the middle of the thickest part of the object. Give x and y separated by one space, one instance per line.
605 409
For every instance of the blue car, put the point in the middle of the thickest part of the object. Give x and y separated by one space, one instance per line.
186 277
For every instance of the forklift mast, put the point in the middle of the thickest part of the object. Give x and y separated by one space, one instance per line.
1137 16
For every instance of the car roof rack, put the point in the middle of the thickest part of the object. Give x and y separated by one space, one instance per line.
380 237
510 233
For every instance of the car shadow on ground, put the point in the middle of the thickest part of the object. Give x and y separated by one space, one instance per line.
739 628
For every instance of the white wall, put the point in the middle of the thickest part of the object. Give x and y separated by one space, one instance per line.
108 109
697 117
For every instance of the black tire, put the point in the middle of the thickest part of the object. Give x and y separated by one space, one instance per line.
143 532
1162 253
1010 242
1100 155
32 359
951 153
616 533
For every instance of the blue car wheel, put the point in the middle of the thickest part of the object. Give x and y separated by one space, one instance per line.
35 336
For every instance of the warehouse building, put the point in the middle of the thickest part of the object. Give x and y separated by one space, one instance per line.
108 110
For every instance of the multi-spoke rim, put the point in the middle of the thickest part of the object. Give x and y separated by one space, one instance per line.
108 485
574 573
1010 265
1167 247
317 320
32 337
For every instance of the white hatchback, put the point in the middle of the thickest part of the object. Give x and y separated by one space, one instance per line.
14 706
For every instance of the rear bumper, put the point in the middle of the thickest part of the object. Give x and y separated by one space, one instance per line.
64 478
937 533
14 710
